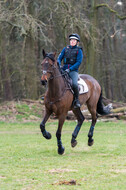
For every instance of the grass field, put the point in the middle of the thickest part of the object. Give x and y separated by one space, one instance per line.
30 162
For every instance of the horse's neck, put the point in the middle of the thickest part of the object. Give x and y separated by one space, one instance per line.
56 85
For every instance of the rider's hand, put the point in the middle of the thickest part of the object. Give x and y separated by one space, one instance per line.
59 65
67 70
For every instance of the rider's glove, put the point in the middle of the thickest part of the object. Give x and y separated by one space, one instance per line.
59 65
67 70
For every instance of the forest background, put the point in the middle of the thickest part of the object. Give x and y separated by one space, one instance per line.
27 26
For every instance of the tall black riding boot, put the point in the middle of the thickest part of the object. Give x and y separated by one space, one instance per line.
76 98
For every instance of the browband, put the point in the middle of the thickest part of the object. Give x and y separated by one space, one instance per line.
50 56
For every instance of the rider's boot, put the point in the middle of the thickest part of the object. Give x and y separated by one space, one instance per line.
76 98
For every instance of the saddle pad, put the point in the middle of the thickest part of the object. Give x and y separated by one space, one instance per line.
83 88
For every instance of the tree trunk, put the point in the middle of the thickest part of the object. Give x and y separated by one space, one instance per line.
91 66
30 70
5 76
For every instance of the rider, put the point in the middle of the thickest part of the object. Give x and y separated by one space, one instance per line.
72 56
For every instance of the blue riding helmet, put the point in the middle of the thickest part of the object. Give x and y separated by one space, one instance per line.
74 36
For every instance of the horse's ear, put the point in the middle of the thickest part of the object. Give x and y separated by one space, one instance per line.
44 53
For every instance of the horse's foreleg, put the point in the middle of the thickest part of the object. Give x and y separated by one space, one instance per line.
46 134
80 119
91 130
58 134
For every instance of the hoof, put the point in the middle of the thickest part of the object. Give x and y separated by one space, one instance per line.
61 150
47 135
90 142
73 143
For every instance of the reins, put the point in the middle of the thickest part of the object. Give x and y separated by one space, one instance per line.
67 85
54 67
52 77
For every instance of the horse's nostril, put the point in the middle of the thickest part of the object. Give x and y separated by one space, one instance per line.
43 82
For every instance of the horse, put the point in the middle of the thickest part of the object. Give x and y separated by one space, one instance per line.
59 98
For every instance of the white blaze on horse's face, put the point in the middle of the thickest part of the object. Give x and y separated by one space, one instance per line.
44 72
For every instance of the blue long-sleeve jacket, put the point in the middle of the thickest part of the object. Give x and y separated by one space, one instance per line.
69 66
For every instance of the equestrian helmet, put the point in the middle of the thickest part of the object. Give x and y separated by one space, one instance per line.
74 36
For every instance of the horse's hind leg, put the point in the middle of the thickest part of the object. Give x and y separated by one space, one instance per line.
80 119
91 130
46 134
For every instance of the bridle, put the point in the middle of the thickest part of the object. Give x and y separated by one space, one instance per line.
51 66
67 87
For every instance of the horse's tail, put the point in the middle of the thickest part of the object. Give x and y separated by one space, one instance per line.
101 109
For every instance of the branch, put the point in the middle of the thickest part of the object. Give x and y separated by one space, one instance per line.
113 35
111 10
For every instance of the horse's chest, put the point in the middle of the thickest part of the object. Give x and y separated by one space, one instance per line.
52 107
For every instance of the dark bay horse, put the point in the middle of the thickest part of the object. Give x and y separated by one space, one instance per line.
58 99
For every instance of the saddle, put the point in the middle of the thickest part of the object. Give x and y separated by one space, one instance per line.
82 86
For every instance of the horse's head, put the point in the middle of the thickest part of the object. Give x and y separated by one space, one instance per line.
48 64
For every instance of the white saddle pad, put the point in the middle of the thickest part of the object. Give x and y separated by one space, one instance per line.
83 88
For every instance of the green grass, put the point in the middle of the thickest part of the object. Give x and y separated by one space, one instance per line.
20 111
24 111
30 162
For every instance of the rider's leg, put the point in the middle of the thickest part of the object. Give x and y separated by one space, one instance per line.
74 77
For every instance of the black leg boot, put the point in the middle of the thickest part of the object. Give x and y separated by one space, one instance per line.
76 102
